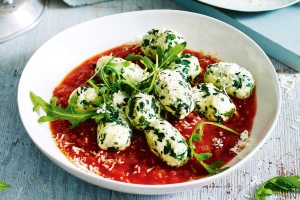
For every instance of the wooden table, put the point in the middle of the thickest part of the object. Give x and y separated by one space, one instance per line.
33 176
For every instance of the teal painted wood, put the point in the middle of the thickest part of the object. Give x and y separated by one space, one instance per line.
34 177
277 32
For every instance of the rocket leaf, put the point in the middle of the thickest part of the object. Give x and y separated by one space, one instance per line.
276 185
197 134
162 62
54 112
3 186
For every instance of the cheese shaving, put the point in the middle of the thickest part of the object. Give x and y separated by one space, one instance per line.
288 82
244 138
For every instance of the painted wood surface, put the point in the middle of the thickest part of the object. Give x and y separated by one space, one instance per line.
276 31
33 176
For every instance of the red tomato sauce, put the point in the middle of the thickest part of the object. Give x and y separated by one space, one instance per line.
137 164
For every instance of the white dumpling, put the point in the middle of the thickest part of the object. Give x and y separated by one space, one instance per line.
174 93
159 37
114 133
212 103
236 80
166 142
128 70
88 97
188 66
142 109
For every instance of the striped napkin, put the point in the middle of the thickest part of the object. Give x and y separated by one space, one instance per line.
82 2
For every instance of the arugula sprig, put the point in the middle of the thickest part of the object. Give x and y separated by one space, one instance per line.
54 112
111 74
162 62
170 56
148 83
196 136
276 185
4 186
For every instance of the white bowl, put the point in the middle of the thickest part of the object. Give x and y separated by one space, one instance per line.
50 64
250 6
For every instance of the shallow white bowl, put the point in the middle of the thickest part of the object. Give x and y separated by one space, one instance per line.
50 64
250 5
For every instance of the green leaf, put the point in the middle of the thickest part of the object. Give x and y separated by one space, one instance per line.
147 62
202 156
3 186
196 136
100 67
55 112
110 75
162 62
160 54
148 83
105 112
171 55
214 168
276 185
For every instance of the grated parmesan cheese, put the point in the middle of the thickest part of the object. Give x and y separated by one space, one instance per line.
77 149
138 168
150 169
244 138
66 144
112 166
217 142
254 181
288 82
60 140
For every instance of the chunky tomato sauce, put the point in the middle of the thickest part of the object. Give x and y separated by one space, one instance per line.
137 164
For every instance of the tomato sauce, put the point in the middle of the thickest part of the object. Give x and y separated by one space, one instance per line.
137 164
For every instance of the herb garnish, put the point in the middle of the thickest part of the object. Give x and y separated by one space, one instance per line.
162 62
196 136
3 186
276 185
54 112
111 74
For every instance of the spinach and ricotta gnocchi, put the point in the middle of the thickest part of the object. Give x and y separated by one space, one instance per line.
159 38
188 66
166 142
174 93
119 99
88 97
125 70
234 79
142 109
114 133
212 103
